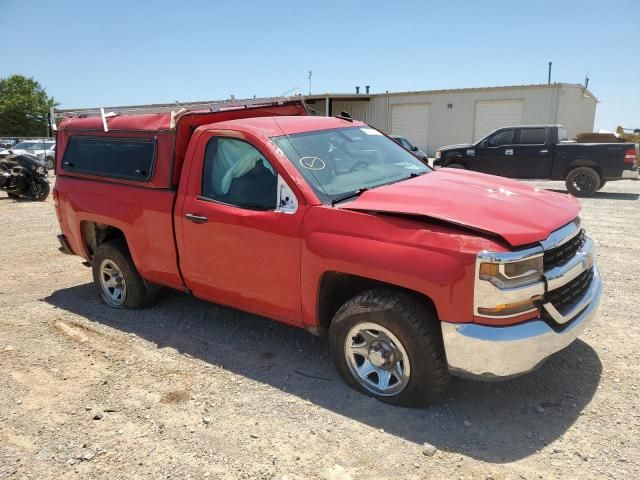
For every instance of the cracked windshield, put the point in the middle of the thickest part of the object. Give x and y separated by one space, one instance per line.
346 160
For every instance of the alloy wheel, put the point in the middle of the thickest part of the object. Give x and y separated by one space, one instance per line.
583 183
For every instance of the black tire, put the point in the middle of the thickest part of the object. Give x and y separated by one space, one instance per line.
136 292
583 182
49 163
415 326
41 190
13 195
456 165
602 184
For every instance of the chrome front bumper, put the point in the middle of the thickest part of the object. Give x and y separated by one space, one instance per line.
487 352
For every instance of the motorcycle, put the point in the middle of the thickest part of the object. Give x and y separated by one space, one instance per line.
24 176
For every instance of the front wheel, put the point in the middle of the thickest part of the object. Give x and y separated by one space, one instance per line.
582 182
388 345
116 279
49 163
455 165
40 189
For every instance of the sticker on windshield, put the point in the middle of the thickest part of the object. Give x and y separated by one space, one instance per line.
312 163
370 131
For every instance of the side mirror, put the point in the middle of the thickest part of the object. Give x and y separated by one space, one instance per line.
484 143
414 149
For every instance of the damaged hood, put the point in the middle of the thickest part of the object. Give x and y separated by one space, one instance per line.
519 213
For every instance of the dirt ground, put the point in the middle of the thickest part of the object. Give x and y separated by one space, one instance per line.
188 389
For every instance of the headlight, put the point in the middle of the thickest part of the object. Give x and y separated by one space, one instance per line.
509 284
513 274
40 170
438 154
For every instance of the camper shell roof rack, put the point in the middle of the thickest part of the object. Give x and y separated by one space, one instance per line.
176 109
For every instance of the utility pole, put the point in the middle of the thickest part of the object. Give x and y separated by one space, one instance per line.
309 77
549 78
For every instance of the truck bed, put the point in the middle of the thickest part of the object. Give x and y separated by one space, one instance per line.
608 158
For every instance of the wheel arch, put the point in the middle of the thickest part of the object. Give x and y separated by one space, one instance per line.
95 234
455 158
335 288
583 162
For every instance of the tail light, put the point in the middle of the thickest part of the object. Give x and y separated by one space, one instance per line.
630 156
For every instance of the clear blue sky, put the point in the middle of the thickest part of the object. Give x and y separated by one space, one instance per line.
92 53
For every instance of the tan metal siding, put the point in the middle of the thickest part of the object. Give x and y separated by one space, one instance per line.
576 110
412 121
357 109
317 108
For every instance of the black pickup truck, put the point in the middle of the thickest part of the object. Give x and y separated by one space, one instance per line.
543 152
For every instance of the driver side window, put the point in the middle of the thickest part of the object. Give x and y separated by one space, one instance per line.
236 173
505 137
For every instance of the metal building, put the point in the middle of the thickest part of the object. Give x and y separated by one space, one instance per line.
431 119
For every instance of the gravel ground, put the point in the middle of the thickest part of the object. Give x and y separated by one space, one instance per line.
189 389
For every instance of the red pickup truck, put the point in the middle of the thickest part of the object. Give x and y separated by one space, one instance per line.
329 225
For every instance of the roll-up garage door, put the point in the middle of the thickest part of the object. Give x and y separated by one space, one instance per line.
412 121
493 114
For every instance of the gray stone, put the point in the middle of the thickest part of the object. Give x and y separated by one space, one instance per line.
429 450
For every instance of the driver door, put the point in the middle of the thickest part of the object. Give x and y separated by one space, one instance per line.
237 246
494 154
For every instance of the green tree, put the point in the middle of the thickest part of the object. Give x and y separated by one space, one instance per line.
24 105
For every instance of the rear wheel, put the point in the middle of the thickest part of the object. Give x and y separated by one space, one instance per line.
388 345
583 182
116 279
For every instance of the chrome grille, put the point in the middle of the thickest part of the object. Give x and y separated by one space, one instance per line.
560 255
563 298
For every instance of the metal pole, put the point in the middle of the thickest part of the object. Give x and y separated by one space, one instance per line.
549 78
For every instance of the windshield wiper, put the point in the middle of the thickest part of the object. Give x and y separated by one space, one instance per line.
360 191
347 196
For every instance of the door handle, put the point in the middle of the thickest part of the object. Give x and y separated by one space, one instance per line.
196 218
544 150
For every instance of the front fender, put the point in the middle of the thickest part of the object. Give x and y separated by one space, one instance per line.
435 261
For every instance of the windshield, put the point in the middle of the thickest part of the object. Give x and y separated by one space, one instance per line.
22 145
41 146
339 161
